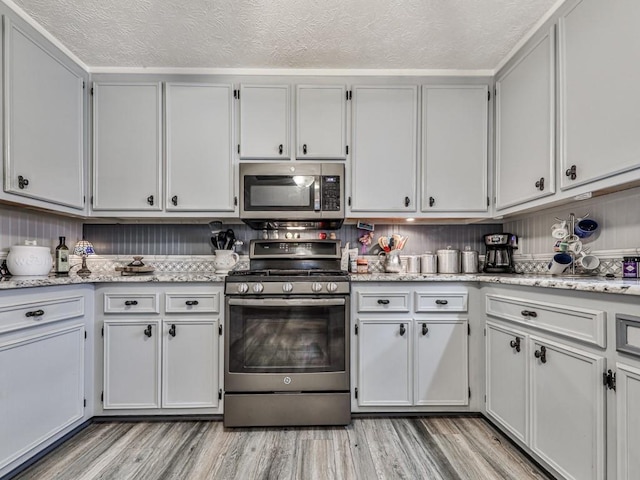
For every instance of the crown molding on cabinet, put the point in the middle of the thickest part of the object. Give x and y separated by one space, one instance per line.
317 72
41 30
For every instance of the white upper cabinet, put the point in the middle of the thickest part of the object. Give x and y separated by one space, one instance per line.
599 101
384 156
454 148
321 122
199 147
127 150
265 122
525 124
43 117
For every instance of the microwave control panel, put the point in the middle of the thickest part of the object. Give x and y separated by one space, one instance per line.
330 193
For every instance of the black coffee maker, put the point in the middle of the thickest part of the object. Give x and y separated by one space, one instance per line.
499 257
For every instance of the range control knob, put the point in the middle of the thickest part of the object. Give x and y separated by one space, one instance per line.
243 288
258 287
316 286
287 287
332 286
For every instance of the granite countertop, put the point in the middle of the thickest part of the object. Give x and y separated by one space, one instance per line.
175 277
628 286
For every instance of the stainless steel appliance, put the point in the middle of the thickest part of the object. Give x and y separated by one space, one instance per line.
303 195
499 257
287 336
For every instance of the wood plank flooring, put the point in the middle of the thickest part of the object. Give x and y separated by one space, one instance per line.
435 448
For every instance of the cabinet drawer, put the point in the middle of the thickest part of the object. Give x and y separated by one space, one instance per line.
567 320
131 303
23 315
383 302
440 302
188 303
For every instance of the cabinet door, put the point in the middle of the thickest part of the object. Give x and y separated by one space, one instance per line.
321 121
190 363
264 121
525 123
42 385
507 379
440 362
384 362
454 148
127 151
568 409
199 148
44 123
628 431
599 77
384 157
131 364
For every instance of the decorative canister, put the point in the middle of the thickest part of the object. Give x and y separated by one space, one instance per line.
29 259
428 263
469 260
413 264
448 260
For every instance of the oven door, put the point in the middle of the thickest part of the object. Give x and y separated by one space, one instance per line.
287 344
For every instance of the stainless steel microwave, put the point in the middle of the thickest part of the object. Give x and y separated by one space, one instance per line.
290 194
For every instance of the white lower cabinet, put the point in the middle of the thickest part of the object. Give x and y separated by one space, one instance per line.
385 362
170 360
440 355
406 358
507 379
190 363
42 370
547 391
568 408
131 364
628 421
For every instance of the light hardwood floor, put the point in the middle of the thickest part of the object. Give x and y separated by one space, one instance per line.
370 448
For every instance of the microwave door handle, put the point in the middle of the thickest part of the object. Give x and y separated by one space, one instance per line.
316 194
280 302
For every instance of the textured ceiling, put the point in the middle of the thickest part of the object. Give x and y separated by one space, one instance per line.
342 34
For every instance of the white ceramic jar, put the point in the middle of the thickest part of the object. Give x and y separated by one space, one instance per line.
29 260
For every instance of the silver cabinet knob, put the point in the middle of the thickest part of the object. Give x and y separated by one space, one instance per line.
287 287
316 286
243 288
258 287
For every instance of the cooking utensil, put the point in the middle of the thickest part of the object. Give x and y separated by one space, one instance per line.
230 239
221 239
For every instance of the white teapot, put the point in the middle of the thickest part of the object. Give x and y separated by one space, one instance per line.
225 260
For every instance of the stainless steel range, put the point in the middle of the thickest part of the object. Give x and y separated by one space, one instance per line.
287 336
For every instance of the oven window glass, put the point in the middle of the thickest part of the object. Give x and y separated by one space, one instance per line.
286 339
279 192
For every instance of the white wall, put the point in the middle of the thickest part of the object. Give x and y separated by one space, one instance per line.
618 215
19 223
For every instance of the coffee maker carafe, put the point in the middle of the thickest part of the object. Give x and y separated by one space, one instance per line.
499 257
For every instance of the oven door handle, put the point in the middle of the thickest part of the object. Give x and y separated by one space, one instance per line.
288 302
